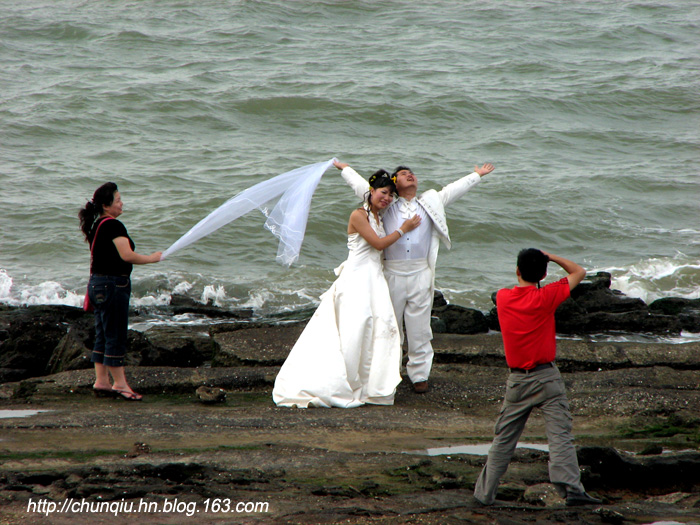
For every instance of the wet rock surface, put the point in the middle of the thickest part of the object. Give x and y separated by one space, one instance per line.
365 465
40 340
207 429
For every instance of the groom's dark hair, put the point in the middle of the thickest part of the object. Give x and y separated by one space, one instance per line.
399 168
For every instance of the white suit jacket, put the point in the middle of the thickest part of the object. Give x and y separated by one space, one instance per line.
433 202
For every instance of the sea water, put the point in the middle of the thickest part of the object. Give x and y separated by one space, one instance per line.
589 111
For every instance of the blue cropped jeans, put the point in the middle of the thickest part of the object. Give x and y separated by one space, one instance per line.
109 295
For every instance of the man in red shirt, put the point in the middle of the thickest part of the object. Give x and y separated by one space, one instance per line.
526 316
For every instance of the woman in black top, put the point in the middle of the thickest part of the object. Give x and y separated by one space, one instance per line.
109 289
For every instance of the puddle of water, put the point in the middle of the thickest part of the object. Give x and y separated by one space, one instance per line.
475 450
6 414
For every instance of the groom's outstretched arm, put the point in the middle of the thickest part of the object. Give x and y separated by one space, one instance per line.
456 189
358 184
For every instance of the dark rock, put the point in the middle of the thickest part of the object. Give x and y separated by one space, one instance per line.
138 449
607 468
658 365
652 449
176 346
211 395
33 333
461 320
542 495
137 346
594 308
336 491
687 311
492 320
511 492
639 321
674 305
181 300
599 300
72 352
437 325
571 318
26 389
8 375
439 299
592 283
609 516
690 322
255 344
214 312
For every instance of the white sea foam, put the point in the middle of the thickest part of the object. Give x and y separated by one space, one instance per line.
182 288
5 286
160 299
217 294
655 278
258 298
48 292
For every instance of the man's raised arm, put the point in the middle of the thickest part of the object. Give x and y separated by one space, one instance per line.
575 271
358 184
456 189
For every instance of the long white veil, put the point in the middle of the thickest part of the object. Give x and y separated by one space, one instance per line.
287 220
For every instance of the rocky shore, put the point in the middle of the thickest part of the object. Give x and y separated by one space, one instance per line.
207 433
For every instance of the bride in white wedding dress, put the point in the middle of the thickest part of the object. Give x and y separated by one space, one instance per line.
349 353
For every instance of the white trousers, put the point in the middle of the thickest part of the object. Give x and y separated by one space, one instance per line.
412 297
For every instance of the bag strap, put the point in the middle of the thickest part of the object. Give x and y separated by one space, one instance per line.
92 246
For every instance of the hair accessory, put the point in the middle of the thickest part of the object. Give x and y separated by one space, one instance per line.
379 175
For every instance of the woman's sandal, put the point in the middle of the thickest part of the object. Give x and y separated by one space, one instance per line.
129 396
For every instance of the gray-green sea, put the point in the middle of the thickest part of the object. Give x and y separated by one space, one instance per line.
589 110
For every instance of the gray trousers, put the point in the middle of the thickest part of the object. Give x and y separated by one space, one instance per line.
545 390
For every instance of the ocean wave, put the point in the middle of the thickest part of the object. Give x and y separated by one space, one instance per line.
48 292
655 278
158 290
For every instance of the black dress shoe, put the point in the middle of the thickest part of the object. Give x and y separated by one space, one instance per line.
574 499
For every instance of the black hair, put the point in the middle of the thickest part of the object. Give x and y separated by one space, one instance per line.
399 168
103 196
532 264
380 179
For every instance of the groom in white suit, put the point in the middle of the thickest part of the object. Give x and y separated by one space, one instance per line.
409 264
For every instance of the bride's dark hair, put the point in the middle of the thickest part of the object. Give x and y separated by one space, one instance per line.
380 179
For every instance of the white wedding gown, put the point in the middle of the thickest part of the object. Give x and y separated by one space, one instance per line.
349 353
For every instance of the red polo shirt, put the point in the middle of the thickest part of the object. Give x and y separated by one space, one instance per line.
526 316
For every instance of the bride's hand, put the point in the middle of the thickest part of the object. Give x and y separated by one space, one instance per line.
340 165
410 224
